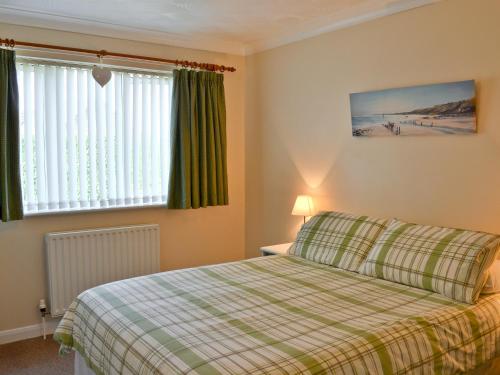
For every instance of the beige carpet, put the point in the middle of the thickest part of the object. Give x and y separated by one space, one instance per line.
34 357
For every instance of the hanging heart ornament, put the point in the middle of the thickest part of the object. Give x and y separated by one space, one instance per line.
101 75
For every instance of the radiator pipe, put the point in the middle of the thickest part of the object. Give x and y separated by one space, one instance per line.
43 312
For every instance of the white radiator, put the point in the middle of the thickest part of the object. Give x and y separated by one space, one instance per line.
80 260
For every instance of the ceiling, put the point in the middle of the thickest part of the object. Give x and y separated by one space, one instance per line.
231 26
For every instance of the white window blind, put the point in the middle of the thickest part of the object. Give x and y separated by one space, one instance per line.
87 147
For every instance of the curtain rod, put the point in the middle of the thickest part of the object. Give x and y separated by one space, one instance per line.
103 53
89 65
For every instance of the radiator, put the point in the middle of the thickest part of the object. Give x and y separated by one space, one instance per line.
80 260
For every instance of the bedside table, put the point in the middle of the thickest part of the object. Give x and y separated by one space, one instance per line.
280 249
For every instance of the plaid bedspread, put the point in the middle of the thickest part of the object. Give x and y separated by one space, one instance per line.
276 315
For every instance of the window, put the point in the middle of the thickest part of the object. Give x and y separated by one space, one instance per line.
87 147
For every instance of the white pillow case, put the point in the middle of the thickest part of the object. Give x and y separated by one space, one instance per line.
492 284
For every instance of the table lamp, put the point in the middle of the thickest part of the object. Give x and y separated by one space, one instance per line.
303 206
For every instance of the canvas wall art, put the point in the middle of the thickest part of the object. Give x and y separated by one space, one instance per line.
437 109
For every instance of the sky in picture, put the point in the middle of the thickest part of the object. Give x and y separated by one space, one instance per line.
409 98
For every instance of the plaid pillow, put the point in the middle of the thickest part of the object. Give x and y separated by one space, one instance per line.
452 262
337 239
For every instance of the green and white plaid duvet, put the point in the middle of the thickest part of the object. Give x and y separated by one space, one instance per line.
276 315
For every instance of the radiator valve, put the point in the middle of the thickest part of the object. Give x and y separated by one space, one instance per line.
43 311
43 308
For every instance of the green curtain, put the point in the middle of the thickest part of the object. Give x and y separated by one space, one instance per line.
198 174
10 181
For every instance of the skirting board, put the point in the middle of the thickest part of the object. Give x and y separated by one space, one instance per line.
27 332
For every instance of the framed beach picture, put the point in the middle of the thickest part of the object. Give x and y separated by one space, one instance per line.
438 109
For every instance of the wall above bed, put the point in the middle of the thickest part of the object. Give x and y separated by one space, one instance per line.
298 117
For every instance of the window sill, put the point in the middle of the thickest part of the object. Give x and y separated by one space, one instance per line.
93 210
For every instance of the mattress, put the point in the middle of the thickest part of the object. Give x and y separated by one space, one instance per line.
276 315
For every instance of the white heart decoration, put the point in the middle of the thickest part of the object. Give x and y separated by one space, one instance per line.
101 75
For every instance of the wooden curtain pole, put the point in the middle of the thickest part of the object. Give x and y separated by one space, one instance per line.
103 53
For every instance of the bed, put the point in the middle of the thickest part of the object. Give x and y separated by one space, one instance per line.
276 315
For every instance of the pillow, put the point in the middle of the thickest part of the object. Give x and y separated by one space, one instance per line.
492 284
337 239
452 262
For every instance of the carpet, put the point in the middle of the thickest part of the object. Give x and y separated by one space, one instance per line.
34 357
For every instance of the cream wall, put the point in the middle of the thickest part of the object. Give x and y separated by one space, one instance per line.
298 137
188 238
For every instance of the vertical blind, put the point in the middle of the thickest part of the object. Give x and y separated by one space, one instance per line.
84 146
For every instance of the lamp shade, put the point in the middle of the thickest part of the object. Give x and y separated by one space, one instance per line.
303 206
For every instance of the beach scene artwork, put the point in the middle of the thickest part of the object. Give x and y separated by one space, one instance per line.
438 109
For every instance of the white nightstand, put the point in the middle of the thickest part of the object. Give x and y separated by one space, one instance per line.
280 249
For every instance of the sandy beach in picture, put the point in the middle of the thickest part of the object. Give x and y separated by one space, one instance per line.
438 109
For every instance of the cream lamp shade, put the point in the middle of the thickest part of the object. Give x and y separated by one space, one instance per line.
303 206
